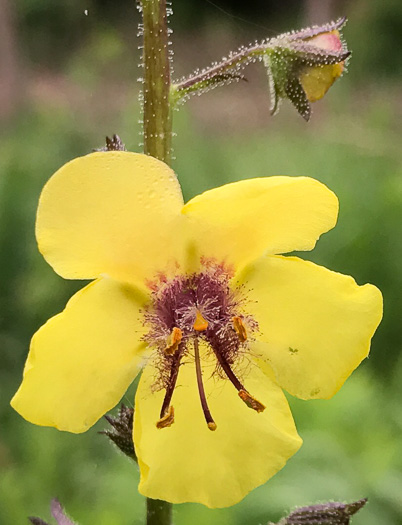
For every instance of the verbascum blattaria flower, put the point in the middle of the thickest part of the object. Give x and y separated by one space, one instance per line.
199 296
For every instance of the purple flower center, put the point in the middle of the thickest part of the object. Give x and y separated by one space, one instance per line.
198 307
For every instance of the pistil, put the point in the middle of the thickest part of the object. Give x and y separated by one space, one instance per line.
207 414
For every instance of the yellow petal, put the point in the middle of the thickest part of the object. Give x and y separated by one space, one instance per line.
187 462
113 212
316 325
316 81
82 360
241 221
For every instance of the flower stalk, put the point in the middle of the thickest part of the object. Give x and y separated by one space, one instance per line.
291 59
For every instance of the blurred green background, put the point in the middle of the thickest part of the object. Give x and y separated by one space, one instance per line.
68 78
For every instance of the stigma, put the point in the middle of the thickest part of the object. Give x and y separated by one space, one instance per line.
188 310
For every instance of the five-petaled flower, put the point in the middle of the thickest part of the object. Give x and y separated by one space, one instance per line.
198 294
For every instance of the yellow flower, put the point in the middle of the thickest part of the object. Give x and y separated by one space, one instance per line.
198 294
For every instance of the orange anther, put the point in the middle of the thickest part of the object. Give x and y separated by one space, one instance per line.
173 341
212 426
251 401
240 329
167 420
200 324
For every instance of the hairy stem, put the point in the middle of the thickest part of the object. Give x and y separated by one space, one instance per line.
157 128
157 125
227 69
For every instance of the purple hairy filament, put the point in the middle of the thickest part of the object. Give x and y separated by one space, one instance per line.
192 308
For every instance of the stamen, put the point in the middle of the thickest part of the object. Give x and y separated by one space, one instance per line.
167 420
251 401
173 341
174 372
207 414
228 371
200 324
240 329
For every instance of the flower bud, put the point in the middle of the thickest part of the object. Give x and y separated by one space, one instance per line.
303 65
332 513
113 144
57 513
121 433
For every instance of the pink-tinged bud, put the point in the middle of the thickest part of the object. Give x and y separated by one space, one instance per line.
303 65
317 80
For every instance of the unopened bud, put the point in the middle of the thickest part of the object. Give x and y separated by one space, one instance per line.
332 513
113 144
303 65
58 514
121 433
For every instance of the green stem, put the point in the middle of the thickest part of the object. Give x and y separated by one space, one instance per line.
218 74
158 512
157 130
156 92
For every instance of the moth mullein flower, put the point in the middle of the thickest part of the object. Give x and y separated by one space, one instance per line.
199 297
303 65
